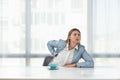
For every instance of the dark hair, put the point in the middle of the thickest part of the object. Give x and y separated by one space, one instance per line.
70 32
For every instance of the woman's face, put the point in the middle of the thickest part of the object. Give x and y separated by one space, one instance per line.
75 37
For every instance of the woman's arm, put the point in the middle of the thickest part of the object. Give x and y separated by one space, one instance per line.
89 63
52 45
70 65
55 46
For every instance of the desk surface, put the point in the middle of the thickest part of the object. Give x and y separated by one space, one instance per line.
40 73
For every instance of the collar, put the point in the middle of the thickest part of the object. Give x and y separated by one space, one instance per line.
76 47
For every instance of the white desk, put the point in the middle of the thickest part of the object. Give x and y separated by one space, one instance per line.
41 73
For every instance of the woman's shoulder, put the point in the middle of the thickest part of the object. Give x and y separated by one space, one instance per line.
81 46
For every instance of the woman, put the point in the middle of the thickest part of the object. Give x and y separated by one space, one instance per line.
69 52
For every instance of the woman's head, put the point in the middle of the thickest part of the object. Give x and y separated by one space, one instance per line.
74 36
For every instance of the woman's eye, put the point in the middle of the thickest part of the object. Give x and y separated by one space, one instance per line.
75 34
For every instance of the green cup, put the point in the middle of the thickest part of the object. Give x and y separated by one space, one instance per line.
53 66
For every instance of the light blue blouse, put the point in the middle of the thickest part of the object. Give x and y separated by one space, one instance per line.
55 46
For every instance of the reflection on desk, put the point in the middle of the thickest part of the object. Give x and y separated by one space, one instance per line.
40 73
72 73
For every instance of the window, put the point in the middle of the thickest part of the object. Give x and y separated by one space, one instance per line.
27 25
12 31
106 28
12 26
52 19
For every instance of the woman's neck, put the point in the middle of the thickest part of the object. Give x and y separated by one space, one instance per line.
71 46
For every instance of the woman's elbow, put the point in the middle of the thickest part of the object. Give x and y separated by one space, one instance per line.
91 64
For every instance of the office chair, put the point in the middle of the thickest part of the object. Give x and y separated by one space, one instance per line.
47 60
